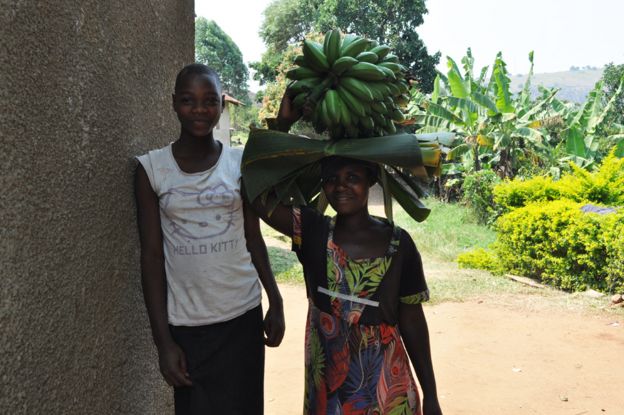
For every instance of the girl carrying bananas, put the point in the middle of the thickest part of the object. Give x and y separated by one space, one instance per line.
365 285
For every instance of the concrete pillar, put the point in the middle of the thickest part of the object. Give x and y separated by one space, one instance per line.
84 87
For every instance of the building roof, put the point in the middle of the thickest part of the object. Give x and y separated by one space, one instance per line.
231 99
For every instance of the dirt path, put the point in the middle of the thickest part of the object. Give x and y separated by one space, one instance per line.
490 357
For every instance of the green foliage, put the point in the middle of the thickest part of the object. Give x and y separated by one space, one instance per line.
272 95
213 47
285 265
494 128
559 244
477 194
515 134
449 230
611 78
479 258
242 116
391 22
603 186
517 193
614 242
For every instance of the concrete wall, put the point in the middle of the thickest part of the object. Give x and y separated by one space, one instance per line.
222 131
84 87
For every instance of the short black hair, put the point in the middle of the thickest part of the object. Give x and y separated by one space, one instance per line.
331 164
196 69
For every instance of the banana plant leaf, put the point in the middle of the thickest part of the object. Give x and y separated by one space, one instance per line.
288 165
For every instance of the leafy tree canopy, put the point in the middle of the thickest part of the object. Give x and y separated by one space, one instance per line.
216 49
612 76
392 22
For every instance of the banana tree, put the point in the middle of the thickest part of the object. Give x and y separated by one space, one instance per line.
491 125
585 129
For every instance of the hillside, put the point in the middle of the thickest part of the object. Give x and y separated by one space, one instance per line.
574 85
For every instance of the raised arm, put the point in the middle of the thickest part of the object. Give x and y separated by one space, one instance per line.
274 323
280 218
153 279
415 335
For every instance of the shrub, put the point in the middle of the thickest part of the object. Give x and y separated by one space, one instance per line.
559 244
614 241
604 186
479 259
477 194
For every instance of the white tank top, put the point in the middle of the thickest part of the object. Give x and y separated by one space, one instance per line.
210 277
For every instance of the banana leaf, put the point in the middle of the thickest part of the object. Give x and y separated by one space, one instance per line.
289 165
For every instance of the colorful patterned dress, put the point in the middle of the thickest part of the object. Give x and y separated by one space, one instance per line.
355 361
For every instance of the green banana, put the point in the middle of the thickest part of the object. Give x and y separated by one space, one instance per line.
331 46
324 114
367 123
382 87
398 116
366 71
381 51
388 73
357 88
394 67
301 73
394 89
378 118
391 128
379 107
403 86
354 48
369 57
389 103
390 57
347 40
342 64
315 58
345 114
353 103
332 102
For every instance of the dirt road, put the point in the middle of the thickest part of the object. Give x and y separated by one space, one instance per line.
491 356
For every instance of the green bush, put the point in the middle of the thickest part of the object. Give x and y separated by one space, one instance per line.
614 241
479 259
477 194
559 244
604 186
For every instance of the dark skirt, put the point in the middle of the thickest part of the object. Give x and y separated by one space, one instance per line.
226 365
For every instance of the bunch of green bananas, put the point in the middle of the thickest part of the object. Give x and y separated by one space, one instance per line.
354 86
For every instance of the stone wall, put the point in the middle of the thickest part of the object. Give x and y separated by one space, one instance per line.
84 87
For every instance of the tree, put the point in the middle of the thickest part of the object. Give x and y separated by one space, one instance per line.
213 47
392 22
611 77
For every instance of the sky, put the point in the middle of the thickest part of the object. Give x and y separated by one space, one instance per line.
562 33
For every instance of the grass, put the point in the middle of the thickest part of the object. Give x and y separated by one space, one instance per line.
285 265
449 230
